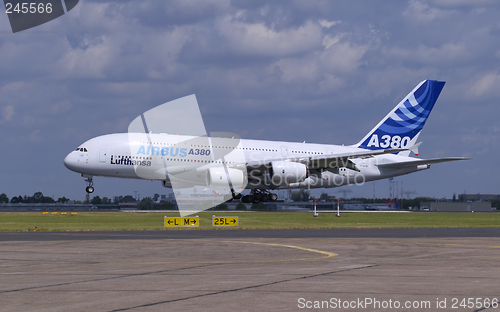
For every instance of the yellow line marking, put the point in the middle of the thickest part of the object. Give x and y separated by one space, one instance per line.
325 255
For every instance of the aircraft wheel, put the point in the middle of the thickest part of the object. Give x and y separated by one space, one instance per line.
89 189
255 200
258 196
265 198
274 197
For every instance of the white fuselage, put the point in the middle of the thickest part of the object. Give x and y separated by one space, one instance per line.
162 156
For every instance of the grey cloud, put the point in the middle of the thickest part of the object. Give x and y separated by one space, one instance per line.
262 70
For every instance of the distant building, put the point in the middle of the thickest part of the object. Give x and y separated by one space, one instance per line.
128 205
382 206
456 206
363 206
476 197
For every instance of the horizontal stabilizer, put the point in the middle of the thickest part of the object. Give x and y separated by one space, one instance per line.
412 163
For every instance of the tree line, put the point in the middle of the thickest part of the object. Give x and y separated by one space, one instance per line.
37 198
152 202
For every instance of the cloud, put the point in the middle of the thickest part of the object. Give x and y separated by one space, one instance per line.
343 57
329 41
448 53
253 65
487 83
336 61
464 3
422 12
328 24
8 112
88 61
259 39
330 83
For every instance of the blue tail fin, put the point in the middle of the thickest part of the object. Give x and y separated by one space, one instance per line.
402 126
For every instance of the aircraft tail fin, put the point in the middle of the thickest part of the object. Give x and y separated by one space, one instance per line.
402 126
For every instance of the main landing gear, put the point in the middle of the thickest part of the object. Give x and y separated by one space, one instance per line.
90 183
233 196
258 196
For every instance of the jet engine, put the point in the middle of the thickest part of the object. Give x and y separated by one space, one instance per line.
285 172
217 178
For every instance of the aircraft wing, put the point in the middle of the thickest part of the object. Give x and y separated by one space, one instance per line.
335 161
329 162
418 162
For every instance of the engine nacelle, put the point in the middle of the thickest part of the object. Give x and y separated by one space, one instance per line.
285 172
217 178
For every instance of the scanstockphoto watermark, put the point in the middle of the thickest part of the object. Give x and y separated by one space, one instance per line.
377 304
24 15
302 172
192 158
363 303
256 179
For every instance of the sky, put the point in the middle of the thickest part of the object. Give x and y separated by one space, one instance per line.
314 71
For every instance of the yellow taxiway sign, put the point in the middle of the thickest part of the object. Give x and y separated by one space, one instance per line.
191 221
181 222
224 221
172 221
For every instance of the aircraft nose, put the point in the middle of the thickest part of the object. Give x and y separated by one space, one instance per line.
70 161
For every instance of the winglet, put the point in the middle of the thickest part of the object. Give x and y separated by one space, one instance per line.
414 148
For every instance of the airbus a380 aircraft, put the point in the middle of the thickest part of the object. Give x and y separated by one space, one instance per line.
262 166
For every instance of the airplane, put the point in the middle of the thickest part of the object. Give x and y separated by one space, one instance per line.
264 166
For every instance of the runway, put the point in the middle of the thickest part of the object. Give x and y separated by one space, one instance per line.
271 270
272 233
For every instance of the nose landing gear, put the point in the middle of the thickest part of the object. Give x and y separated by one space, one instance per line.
90 187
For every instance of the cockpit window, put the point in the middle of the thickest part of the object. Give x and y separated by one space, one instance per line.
81 149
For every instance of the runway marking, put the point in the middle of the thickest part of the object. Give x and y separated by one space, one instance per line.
206 263
326 254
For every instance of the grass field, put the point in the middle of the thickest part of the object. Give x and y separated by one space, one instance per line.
114 221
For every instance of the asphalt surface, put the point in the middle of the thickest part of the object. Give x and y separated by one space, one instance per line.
277 233
251 270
